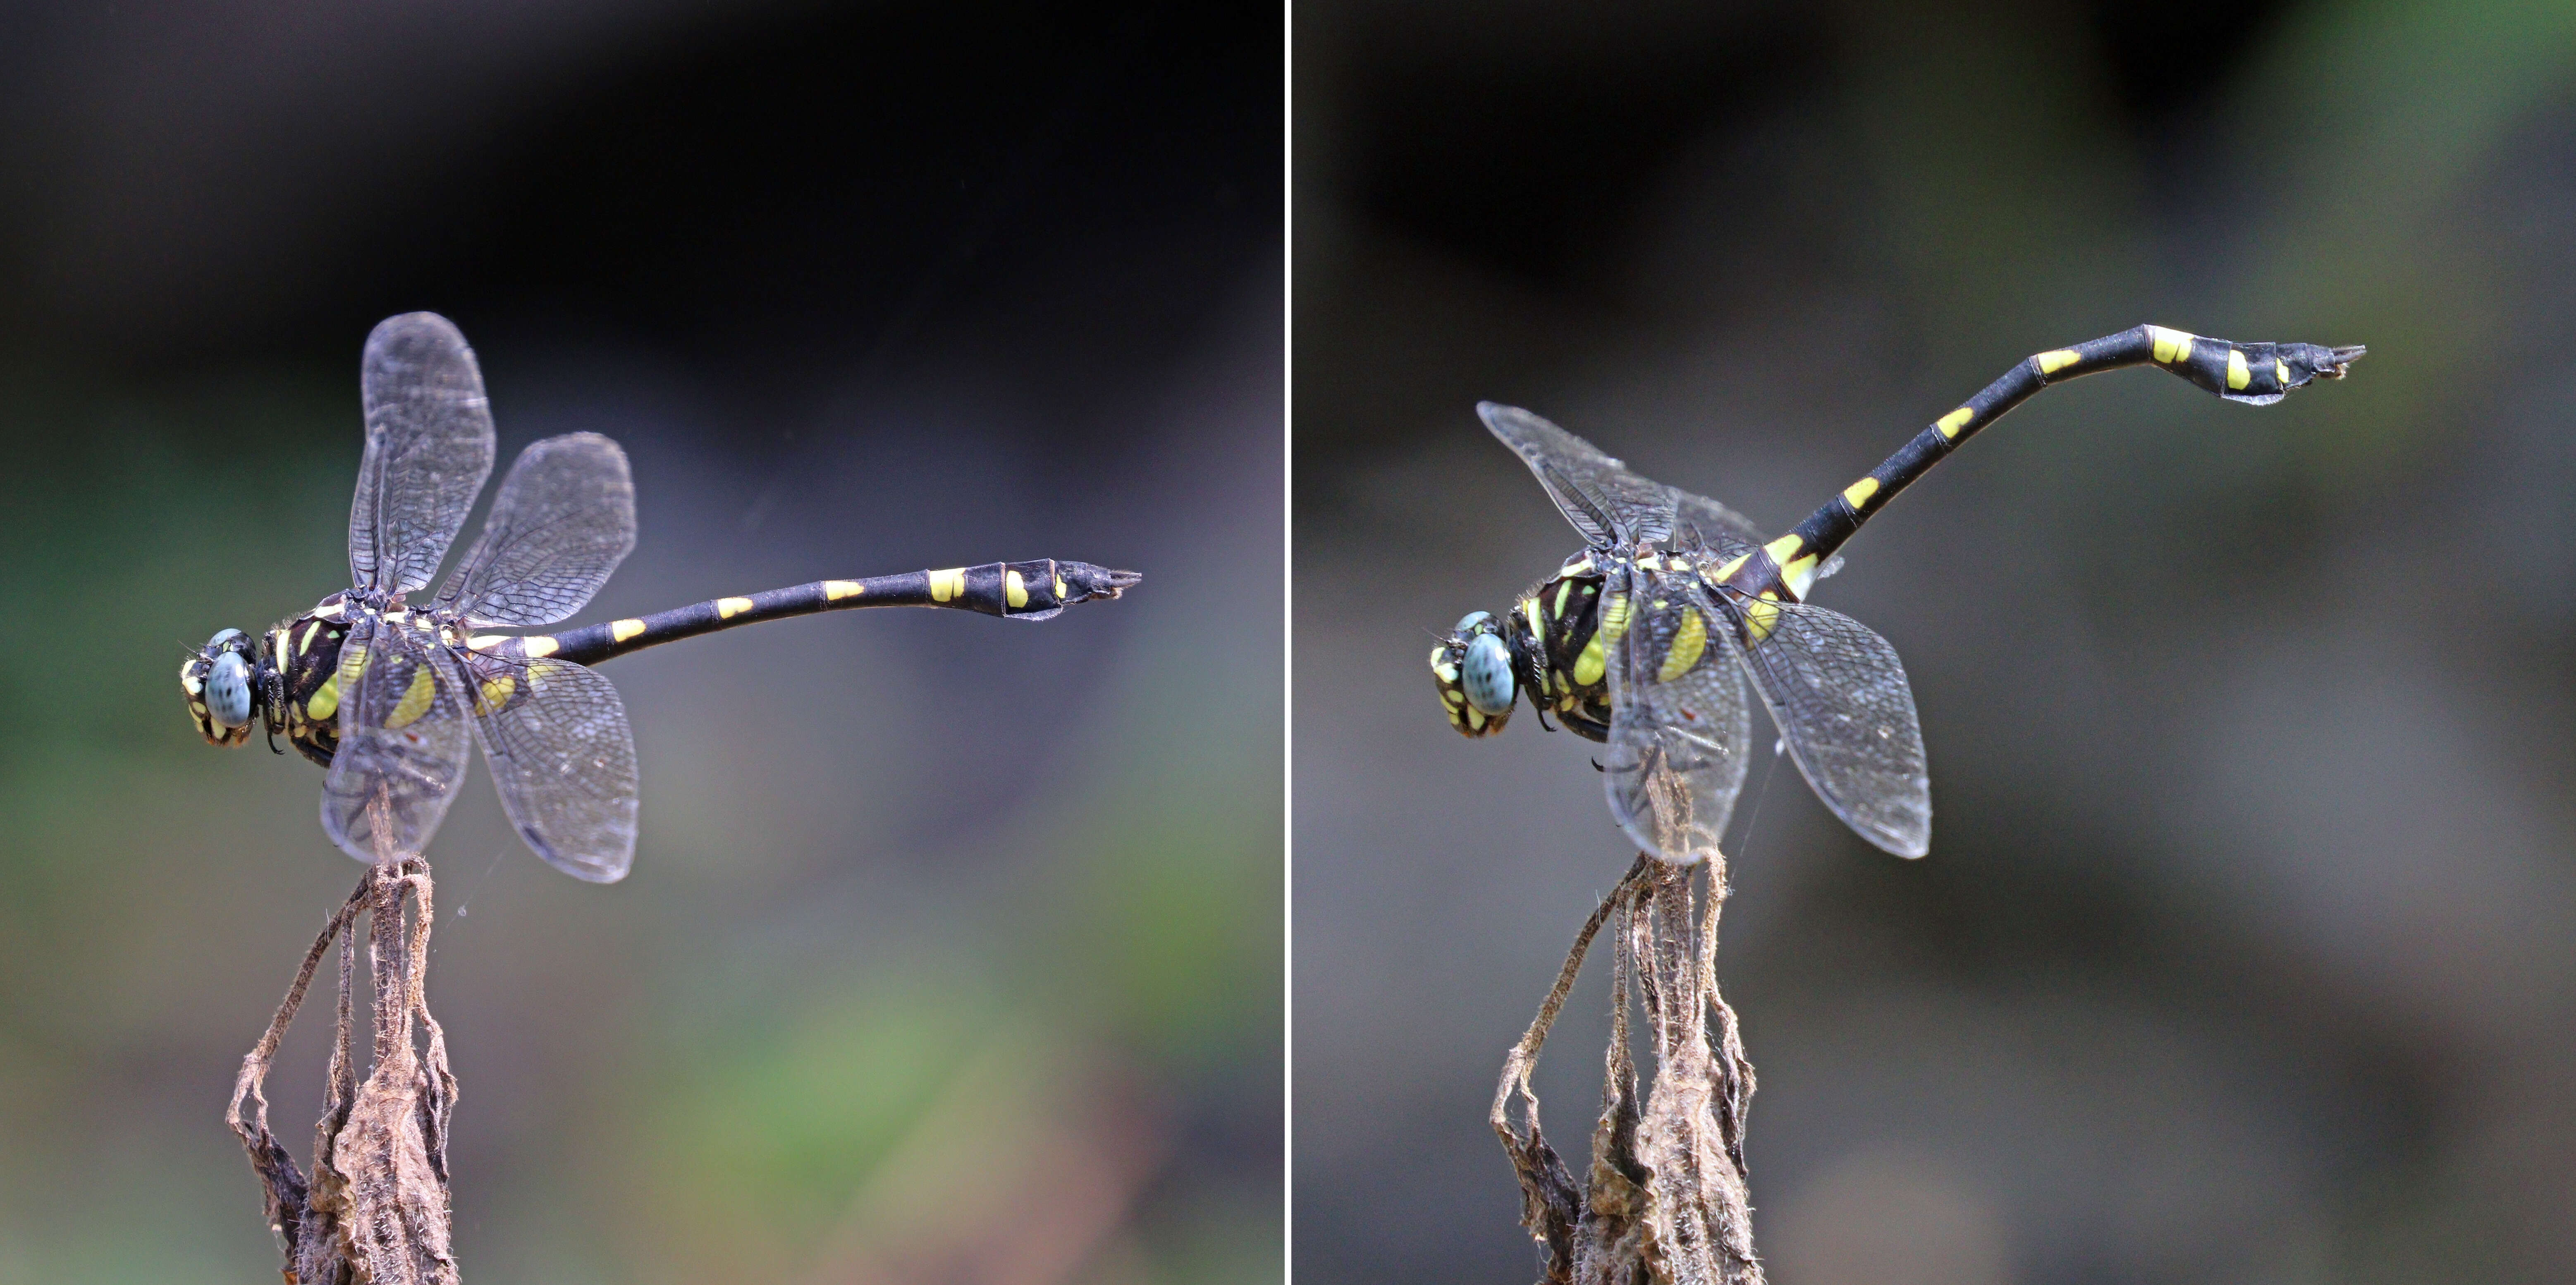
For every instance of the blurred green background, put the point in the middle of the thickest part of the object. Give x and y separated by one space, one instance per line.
2246 948
952 946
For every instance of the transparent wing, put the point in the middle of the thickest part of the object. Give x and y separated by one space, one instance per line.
1840 697
429 449
1611 506
402 742
1701 522
564 519
564 761
1679 722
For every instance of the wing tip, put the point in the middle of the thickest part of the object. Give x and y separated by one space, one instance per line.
404 325
586 869
608 868
1911 845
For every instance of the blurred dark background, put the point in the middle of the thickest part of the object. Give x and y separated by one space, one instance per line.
951 948
2243 950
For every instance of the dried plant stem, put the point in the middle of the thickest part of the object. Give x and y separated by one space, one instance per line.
1665 1198
376 1207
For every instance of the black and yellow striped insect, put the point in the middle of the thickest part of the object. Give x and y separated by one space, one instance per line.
382 691
1644 640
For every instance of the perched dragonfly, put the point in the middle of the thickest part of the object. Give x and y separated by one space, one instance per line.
1643 641
382 690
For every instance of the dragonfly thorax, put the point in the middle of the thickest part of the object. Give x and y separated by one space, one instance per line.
303 655
1555 628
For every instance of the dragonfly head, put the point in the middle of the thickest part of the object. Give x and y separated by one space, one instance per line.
1474 670
220 680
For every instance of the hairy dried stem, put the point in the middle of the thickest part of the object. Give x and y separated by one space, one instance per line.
1665 1198
376 1207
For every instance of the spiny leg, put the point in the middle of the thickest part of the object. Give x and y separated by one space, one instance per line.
2258 374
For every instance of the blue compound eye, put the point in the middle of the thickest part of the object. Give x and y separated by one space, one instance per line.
1486 674
228 691
1469 624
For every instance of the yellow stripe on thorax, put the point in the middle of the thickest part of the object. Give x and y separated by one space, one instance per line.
1762 615
1614 616
1689 640
326 700
415 700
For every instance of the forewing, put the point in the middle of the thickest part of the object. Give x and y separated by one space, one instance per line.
1611 506
402 742
1679 722
564 761
1840 697
429 449
1707 524
564 519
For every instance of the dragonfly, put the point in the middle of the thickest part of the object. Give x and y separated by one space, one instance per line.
386 692
1646 640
